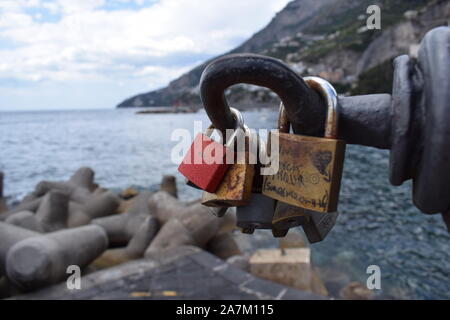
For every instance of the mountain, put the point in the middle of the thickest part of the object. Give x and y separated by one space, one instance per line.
328 38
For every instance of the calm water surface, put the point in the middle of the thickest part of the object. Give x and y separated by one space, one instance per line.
377 223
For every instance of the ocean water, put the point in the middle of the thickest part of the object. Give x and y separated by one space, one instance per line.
378 225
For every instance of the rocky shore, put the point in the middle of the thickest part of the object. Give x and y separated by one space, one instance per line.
141 245
162 110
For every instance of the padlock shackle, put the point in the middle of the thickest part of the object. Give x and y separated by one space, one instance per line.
364 120
238 120
301 102
239 125
284 125
329 94
330 97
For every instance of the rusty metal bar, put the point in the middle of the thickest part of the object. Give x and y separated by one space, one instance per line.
301 102
364 120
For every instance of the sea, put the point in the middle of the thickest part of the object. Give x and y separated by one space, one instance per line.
377 225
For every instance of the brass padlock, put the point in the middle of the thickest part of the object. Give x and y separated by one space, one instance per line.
287 216
258 148
310 168
236 186
257 214
316 225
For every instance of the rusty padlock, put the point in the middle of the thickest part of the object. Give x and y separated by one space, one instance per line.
286 216
310 168
236 186
201 169
258 147
258 214
316 225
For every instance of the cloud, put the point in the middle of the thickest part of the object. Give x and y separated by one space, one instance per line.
79 6
64 42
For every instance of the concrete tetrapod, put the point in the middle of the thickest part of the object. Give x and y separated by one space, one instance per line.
194 225
122 227
223 246
2 175
98 205
52 212
77 217
29 205
9 236
3 207
135 248
83 178
43 260
169 185
78 188
165 206
50 216
26 220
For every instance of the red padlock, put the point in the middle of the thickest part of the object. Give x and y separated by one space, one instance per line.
207 175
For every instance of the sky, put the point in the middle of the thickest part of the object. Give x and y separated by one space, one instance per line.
91 54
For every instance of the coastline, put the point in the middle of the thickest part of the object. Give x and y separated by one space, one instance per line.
155 222
138 225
